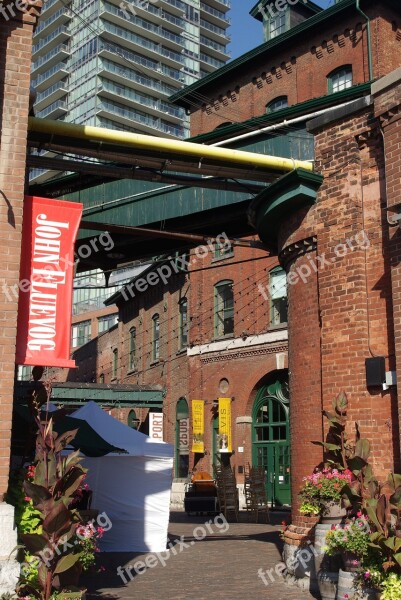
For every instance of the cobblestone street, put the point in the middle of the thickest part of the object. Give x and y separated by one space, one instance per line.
224 565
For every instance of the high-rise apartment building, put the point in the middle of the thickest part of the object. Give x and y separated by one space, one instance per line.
115 63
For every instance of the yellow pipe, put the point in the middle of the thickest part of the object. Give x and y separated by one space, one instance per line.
180 147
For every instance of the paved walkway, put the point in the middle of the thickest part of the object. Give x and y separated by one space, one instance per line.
222 566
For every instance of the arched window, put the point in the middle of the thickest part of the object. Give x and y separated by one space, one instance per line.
155 337
132 420
183 324
132 349
278 296
277 104
223 308
340 79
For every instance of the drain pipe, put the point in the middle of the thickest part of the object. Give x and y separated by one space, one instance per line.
368 29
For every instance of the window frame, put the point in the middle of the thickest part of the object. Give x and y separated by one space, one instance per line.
83 328
273 308
268 106
114 364
224 283
347 69
132 349
156 337
282 28
183 335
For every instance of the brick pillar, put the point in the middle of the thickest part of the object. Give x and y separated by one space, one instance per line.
15 61
298 253
354 285
387 106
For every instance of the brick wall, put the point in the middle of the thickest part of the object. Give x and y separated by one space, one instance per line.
387 105
300 70
15 60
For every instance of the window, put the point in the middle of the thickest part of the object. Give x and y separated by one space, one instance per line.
132 420
278 296
276 25
132 349
104 323
340 79
155 337
101 378
183 333
223 249
182 438
81 333
115 363
277 104
223 309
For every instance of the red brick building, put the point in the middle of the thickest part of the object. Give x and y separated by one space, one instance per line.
211 330
337 237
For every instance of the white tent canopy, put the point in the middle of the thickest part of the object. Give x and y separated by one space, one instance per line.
133 489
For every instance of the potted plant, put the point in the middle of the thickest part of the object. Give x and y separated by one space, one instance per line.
322 493
351 540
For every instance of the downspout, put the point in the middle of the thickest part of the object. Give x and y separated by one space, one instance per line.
368 29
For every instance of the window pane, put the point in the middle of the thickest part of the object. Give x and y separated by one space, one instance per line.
183 334
277 104
156 337
278 296
104 323
224 309
81 333
277 25
341 80
132 349
115 362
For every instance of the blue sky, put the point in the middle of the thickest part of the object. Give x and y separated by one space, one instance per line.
246 32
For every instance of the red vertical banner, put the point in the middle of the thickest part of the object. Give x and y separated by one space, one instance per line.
49 231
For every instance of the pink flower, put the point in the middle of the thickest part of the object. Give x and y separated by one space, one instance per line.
359 514
346 596
27 499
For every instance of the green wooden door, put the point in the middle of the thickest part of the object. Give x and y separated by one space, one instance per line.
271 440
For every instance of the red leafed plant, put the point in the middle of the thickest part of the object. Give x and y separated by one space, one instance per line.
51 487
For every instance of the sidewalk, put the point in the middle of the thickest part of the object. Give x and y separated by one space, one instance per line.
224 565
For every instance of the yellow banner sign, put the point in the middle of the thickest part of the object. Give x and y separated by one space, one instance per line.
225 441
198 426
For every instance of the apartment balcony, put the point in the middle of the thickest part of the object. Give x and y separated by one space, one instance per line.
210 64
221 5
57 55
50 77
58 36
173 6
213 49
138 81
114 32
54 111
132 118
176 23
217 34
141 102
60 17
55 92
52 6
216 17
120 56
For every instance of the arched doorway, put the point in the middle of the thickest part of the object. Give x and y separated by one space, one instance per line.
271 439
